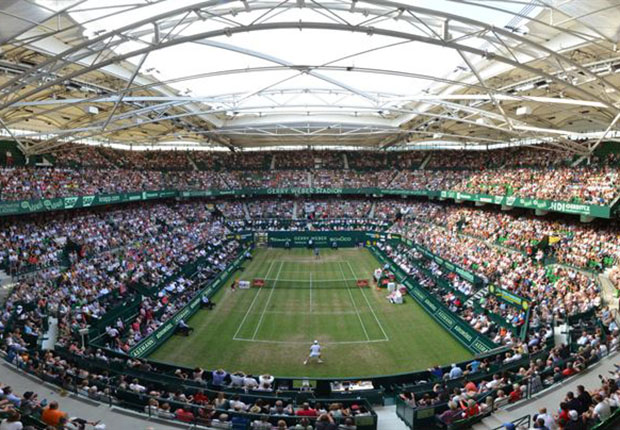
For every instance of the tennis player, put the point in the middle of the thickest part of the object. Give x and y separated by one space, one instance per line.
315 352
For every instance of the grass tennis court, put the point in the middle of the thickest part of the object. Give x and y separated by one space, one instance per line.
270 329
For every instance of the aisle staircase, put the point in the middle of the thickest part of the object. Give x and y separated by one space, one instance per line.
579 160
295 209
608 291
480 293
560 334
246 211
345 159
6 285
400 172
272 166
371 213
492 421
425 162
50 337
192 163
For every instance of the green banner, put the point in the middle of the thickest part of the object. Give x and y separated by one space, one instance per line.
531 203
41 205
325 239
470 338
321 239
281 191
474 341
394 268
64 203
463 273
510 298
153 341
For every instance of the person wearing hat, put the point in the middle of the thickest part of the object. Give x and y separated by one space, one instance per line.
574 421
315 353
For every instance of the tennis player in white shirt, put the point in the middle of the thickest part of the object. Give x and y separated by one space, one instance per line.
315 352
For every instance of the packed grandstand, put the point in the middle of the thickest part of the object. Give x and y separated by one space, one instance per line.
299 215
80 266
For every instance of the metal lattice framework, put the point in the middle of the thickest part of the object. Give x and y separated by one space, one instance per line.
548 74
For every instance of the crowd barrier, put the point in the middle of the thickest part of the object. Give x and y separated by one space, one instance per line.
73 202
163 332
465 334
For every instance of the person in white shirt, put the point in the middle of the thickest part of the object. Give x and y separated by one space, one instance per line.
12 422
315 352
583 339
602 410
250 383
548 418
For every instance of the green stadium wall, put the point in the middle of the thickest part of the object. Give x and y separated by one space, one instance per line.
74 202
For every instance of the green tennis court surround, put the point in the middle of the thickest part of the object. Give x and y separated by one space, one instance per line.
270 328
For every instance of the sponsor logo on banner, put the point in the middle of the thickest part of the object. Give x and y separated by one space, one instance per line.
69 202
10 208
111 198
87 201
461 332
304 190
570 207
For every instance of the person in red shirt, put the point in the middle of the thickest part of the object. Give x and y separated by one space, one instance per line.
472 409
515 394
569 371
563 415
183 415
200 398
306 411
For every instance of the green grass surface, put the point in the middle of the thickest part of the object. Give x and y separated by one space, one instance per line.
270 329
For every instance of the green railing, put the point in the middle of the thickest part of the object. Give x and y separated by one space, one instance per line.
73 202
164 331
468 275
520 423
465 334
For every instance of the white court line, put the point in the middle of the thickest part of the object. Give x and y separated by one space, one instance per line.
312 262
371 308
310 292
309 280
262 315
286 342
245 317
355 306
292 313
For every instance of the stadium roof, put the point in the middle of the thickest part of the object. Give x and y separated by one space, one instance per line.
360 73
